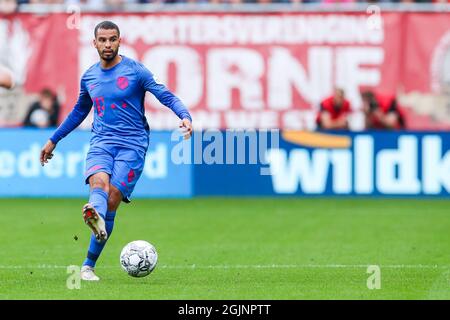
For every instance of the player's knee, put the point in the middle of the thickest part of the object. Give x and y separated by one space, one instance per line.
98 183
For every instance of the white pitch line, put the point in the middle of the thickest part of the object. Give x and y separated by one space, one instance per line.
268 266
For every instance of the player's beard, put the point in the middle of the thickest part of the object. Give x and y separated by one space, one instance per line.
109 57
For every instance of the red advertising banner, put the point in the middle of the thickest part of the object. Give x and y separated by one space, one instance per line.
242 70
42 52
426 70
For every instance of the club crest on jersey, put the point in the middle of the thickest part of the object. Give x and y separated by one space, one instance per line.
122 83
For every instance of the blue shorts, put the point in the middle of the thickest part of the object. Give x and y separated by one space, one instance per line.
123 165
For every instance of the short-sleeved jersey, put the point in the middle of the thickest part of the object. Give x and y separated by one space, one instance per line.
117 96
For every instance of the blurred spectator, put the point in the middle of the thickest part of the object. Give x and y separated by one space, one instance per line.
382 111
44 112
6 78
334 112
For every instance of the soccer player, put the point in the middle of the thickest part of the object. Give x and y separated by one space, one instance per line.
6 78
334 112
115 87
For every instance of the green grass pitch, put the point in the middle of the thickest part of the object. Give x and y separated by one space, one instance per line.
234 248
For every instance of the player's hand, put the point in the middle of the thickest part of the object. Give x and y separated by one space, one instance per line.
47 152
186 126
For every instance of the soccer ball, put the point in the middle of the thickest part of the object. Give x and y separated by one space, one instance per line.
138 258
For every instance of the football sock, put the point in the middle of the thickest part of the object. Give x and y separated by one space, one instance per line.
95 247
99 200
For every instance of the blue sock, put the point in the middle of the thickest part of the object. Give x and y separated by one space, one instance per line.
95 247
99 199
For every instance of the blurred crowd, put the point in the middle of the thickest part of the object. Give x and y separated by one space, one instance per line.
9 6
381 111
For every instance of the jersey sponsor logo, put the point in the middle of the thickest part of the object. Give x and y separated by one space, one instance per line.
122 83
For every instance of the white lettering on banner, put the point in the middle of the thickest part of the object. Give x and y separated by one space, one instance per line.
240 69
206 120
435 166
74 161
25 164
287 173
364 166
7 160
396 170
342 171
276 63
286 72
251 120
188 66
243 70
241 29
299 120
294 120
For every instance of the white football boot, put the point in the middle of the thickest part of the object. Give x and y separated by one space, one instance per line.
95 222
88 274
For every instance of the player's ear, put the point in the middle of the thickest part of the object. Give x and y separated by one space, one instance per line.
94 42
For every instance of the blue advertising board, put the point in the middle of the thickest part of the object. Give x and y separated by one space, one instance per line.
337 164
22 175
243 163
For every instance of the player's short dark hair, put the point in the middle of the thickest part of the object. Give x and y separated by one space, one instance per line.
107 25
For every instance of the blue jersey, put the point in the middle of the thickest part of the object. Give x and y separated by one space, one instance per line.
117 95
